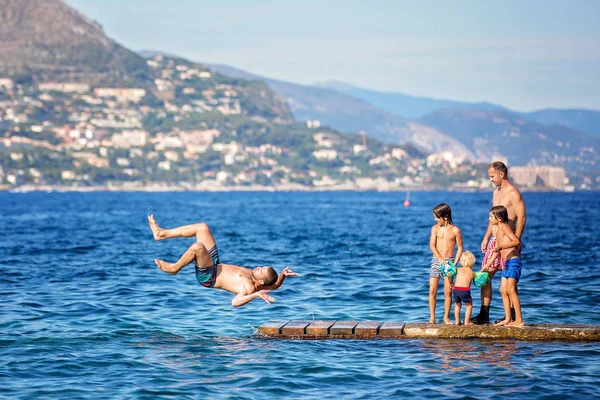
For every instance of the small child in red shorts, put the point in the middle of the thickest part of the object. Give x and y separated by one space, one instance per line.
462 287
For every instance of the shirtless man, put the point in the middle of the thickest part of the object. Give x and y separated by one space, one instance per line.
507 195
247 284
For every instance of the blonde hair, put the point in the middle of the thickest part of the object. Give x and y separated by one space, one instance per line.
467 259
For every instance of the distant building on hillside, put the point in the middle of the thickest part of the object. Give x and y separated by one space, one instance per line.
553 177
445 157
325 139
325 154
313 123
121 94
132 138
6 83
67 87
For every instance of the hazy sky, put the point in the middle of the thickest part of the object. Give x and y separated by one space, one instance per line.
524 55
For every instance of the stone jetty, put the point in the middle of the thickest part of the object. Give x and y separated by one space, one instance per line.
319 330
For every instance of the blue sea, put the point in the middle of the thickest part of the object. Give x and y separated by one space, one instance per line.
85 312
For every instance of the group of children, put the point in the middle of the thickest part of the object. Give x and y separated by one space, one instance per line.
447 247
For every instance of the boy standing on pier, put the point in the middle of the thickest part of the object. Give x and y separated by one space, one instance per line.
445 237
507 244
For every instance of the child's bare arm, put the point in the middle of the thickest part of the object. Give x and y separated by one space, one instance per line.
493 257
459 245
509 234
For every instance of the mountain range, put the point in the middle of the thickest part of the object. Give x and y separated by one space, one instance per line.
415 107
476 131
46 40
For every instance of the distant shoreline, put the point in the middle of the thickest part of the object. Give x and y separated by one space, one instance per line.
253 188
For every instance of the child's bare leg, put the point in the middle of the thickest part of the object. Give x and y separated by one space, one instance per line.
457 313
433 287
468 310
196 252
505 302
447 300
487 290
513 294
200 230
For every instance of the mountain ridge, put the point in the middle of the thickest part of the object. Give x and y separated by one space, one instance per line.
415 107
407 106
46 39
349 114
505 135
478 134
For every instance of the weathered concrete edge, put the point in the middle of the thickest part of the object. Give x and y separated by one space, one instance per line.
528 332
428 331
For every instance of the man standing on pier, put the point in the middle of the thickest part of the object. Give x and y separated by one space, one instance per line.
507 195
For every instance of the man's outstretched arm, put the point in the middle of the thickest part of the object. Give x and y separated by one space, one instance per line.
286 272
242 299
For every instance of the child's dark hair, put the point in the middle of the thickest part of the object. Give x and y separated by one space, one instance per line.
500 213
443 211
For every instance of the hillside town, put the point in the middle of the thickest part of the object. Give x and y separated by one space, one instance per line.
192 129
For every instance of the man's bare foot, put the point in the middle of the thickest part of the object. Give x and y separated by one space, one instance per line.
517 324
502 323
166 267
432 320
448 322
154 227
468 322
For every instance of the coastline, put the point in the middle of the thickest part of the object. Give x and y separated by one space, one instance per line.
346 187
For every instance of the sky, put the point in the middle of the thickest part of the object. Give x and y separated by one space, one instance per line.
524 55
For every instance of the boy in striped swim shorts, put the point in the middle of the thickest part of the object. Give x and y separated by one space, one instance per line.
445 238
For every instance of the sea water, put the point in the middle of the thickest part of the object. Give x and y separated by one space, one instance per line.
85 312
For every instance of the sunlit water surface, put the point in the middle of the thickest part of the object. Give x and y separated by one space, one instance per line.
85 313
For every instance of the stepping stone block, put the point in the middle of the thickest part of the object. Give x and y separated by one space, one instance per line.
273 327
391 329
343 328
319 328
367 329
295 328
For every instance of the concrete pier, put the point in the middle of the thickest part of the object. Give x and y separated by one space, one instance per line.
318 330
